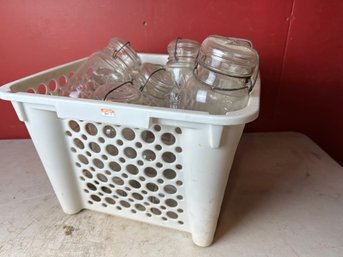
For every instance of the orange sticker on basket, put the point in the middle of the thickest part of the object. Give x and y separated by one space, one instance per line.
107 112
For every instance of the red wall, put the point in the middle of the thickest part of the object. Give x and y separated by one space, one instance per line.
300 46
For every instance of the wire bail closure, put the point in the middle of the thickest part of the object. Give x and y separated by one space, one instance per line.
119 86
121 48
151 74
249 80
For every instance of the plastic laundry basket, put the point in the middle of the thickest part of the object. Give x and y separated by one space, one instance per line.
156 165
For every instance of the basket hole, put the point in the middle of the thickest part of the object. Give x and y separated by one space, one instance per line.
125 204
82 178
42 89
179 210
92 168
78 143
109 131
159 165
68 133
127 188
149 155
62 81
78 164
140 207
137 196
171 202
118 208
152 187
120 142
163 207
134 183
178 149
83 159
168 157
124 175
168 139
91 129
84 137
180 222
179 197
178 130
94 147
169 174
106 190
155 211
147 136
90 202
178 166
138 144
154 199
164 218
179 183
170 189
104 157
157 127
31 90
110 200
122 160
160 181
114 166
73 149
118 181
91 186
141 178
98 163
52 85
121 192
128 134
158 147
87 173
74 126
112 150
150 172
132 169
102 177
172 215
139 162
130 152
101 140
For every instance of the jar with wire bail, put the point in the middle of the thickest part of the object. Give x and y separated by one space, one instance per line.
155 83
225 73
117 62
181 61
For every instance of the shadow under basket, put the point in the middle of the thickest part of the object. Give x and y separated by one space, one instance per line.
156 165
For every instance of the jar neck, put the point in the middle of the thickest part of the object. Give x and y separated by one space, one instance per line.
216 80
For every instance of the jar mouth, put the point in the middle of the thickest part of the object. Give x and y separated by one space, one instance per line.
183 48
230 56
118 48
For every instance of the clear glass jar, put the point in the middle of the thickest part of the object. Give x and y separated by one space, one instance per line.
223 76
155 83
117 62
182 58
181 61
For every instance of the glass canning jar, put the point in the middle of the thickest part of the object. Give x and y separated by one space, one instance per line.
116 62
225 73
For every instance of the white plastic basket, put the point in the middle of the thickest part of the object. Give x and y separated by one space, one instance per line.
156 165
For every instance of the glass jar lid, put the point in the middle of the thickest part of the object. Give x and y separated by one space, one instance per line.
229 56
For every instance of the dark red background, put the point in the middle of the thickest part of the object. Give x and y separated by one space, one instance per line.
300 45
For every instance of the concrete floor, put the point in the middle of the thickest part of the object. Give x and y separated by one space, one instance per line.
284 198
